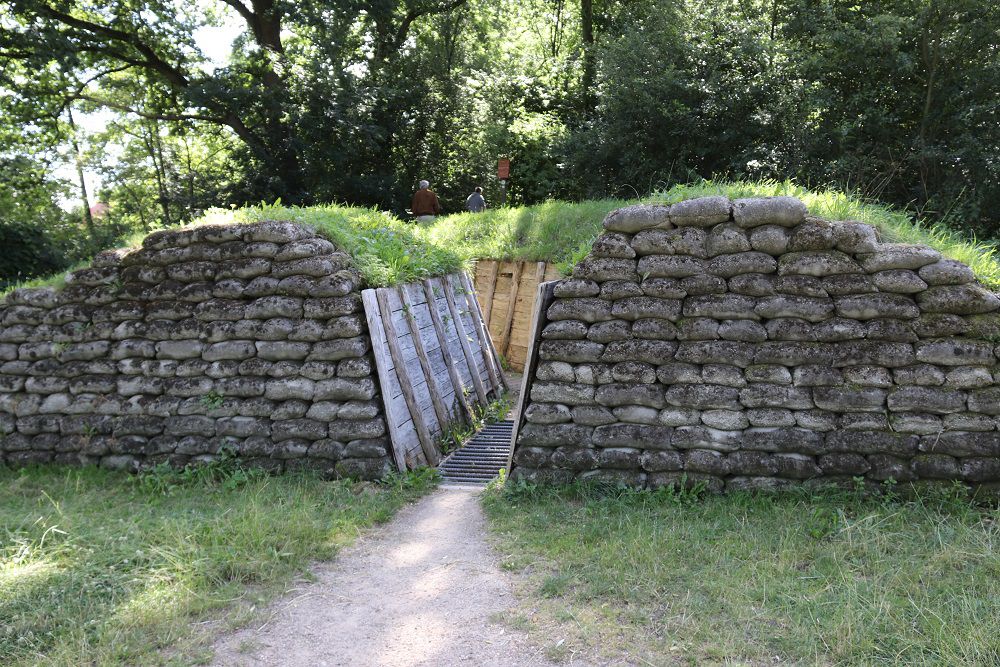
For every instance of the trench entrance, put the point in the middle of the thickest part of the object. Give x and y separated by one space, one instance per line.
482 457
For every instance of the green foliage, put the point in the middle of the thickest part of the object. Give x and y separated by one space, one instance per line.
225 471
389 251
803 577
886 97
457 432
385 249
553 231
213 400
317 103
98 567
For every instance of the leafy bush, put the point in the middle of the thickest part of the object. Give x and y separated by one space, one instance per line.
28 252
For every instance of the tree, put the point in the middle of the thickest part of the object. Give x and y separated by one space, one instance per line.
58 52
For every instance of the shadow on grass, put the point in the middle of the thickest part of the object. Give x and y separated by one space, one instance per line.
99 568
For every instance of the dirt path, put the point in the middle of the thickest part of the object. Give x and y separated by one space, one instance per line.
420 591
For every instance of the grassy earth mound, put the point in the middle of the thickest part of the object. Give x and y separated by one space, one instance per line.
391 251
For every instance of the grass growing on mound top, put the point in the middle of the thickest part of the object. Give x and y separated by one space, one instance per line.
106 568
387 250
797 578
563 232
391 251
556 231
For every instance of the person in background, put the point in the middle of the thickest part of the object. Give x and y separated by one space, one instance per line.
476 203
425 203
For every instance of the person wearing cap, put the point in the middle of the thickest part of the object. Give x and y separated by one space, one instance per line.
425 205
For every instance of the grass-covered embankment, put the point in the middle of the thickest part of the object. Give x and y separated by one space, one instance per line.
99 567
829 578
390 251
563 232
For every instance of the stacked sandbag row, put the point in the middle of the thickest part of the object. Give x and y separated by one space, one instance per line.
249 338
745 345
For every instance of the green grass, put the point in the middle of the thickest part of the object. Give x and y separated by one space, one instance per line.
827 578
563 232
390 251
98 567
458 432
555 231
387 250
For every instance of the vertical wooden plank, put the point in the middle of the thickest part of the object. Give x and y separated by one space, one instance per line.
491 287
382 368
508 320
425 363
539 273
490 357
463 339
442 335
392 340
543 299
517 346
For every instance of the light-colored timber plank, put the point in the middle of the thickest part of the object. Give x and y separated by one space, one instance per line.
425 363
543 298
463 339
518 356
490 356
411 445
426 443
374 319
539 273
449 360
491 286
508 320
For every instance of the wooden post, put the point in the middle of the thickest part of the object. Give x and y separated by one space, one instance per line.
463 339
508 320
539 273
442 336
425 362
543 299
485 341
382 367
392 340
491 288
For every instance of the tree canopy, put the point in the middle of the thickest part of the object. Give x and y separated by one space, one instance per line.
353 101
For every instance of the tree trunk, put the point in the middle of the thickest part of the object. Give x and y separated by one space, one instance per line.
88 217
161 177
589 57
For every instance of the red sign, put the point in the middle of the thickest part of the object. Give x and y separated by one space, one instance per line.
503 169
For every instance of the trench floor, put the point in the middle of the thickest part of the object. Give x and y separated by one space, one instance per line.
479 461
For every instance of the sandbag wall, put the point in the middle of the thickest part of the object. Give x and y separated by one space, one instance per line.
248 337
744 345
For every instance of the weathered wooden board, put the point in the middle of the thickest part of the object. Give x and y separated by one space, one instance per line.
434 360
542 300
494 285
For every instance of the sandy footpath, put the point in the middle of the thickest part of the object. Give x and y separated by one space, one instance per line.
421 590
